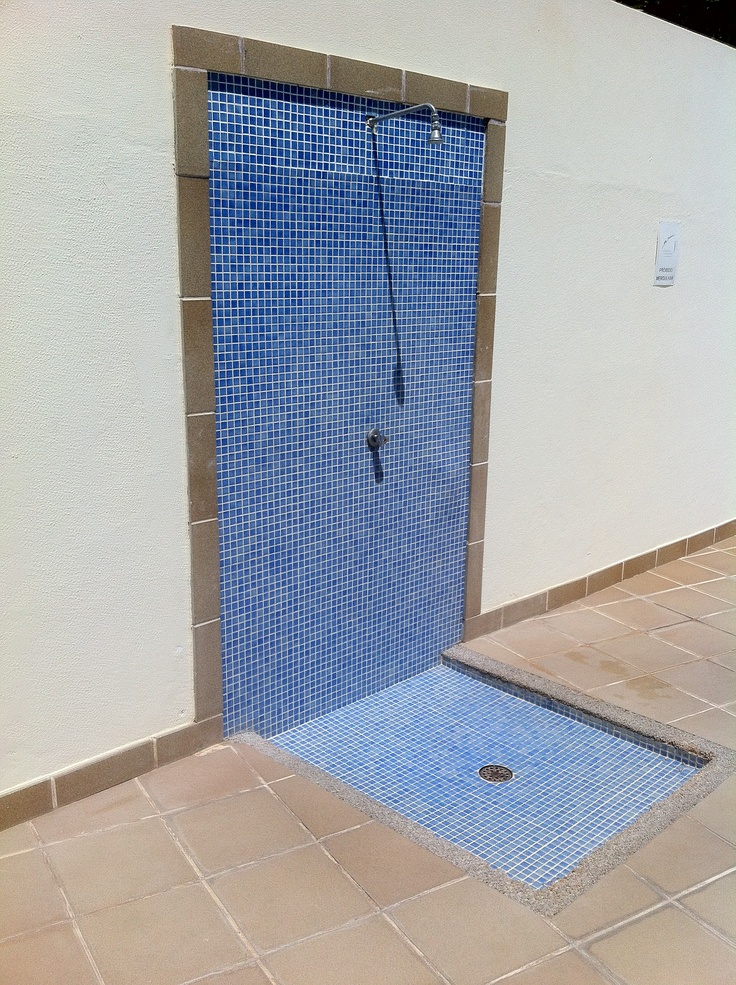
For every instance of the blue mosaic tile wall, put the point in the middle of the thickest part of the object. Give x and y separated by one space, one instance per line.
342 569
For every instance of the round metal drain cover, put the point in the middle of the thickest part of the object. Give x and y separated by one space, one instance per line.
494 773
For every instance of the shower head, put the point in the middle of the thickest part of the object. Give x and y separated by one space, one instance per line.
435 131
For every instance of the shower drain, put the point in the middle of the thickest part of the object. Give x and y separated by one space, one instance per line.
494 773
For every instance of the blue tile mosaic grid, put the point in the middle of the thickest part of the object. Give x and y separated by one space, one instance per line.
342 571
417 748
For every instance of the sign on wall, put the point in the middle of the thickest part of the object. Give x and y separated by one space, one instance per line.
668 248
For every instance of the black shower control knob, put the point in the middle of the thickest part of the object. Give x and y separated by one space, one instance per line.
375 439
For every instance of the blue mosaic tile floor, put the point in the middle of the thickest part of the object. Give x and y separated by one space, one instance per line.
417 747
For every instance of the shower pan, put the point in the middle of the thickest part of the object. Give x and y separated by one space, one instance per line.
344 267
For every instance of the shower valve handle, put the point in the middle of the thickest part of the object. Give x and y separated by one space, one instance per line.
375 439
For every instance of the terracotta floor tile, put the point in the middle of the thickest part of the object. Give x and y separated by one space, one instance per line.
704 641
651 697
388 866
691 602
564 969
490 648
642 614
667 948
684 572
586 668
211 774
472 934
722 588
568 607
267 768
165 939
533 638
718 810
645 652
715 724
53 956
320 811
704 679
720 561
118 805
295 895
110 867
725 621
683 855
715 904
606 596
369 954
727 659
21 838
241 976
647 584
241 829
587 626
616 896
29 894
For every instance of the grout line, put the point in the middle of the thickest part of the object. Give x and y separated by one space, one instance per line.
704 924
203 882
348 925
72 915
706 882
61 922
510 975
632 918
206 622
85 947
413 947
390 907
603 970
207 976
343 831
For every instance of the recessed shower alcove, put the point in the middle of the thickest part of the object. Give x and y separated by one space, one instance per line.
352 276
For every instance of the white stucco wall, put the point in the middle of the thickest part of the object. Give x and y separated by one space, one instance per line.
613 420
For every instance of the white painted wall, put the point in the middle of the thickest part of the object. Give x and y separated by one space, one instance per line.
614 419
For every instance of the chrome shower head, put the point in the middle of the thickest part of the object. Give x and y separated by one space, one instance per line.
435 132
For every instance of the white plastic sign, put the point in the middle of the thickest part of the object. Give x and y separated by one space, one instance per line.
668 248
